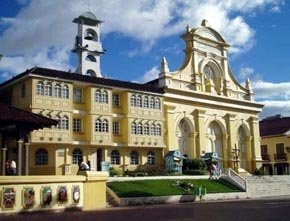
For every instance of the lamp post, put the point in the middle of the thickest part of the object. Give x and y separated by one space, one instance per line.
235 153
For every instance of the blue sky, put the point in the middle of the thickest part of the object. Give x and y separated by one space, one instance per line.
138 33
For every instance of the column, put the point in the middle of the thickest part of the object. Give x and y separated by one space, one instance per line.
256 148
232 133
171 135
226 157
27 158
19 164
200 127
4 161
249 153
193 152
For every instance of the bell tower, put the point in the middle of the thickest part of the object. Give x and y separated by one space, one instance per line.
88 46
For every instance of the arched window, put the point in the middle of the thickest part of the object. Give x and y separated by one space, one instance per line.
134 158
77 156
139 129
158 130
133 100
57 91
48 89
90 72
115 157
41 157
139 101
64 123
133 128
151 158
40 88
98 125
58 119
157 103
105 97
152 102
145 102
91 58
98 96
209 73
65 92
152 129
90 34
146 129
105 126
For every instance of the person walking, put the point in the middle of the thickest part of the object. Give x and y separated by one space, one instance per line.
13 167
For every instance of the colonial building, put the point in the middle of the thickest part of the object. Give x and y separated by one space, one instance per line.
275 145
199 108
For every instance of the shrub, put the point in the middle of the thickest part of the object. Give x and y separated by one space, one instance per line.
116 171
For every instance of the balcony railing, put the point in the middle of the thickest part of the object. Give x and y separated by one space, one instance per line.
266 157
280 157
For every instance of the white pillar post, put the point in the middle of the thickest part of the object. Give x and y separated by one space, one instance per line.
20 145
27 158
4 161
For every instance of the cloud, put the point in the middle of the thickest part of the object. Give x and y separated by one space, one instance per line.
275 97
33 31
149 75
245 72
55 58
268 90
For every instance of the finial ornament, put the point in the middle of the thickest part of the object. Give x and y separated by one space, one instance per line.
204 23
164 66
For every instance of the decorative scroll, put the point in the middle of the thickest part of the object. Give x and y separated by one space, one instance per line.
46 196
28 197
62 194
8 198
76 194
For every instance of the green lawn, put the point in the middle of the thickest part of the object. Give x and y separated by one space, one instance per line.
147 188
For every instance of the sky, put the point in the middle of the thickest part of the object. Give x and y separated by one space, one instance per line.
138 33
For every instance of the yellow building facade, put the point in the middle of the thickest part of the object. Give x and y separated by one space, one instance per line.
275 145
197 109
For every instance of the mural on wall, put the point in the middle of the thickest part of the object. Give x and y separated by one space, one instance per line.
8 198
46 196
28 197
62 194
76 194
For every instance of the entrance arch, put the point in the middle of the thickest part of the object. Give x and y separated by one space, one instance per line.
242 146
183 137
214 142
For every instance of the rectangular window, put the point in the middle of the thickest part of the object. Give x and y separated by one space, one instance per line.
77 125
78 95
264 149
280 148
116 100
116 128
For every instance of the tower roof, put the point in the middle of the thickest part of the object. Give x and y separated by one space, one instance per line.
88 18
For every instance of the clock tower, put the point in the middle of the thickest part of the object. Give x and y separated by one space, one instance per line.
88 46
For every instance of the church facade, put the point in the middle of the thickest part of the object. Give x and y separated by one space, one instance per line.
197 109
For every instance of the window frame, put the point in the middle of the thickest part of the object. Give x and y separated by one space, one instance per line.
115 157
116 100
77 125
41 158
77 156
134 157
116 127
151 158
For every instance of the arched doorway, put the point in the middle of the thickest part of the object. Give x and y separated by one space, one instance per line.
242 146
183 137
214 141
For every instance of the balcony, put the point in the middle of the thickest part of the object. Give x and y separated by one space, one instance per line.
266 157
280 157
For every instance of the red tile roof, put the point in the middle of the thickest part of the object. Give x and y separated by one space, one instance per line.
45 72
274 126
10 115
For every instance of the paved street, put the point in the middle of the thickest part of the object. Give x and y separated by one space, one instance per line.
266 210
